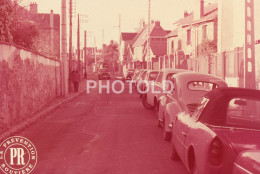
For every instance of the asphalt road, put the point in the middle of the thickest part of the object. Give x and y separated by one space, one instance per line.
101 134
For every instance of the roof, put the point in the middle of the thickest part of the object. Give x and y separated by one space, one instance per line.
155 30
210 12
172 33
159 48
128 36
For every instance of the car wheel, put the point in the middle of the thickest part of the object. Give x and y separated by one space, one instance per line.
145 104
175 156
166 135
192 162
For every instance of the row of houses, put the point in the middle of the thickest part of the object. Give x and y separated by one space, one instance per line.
183 41
193 43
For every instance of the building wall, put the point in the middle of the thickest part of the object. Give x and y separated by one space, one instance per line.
225 25
138 53
28 82
46 44
197 36
169 45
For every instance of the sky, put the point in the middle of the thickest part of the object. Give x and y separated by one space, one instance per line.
103 15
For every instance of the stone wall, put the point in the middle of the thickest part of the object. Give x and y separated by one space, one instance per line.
28 81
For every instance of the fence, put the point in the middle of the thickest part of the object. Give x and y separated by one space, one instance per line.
227 65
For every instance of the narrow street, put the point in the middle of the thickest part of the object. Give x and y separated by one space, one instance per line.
101 133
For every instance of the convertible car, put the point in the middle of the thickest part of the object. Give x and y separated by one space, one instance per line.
247 162
220 137
189 89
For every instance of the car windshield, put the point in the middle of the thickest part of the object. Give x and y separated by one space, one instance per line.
153 76
201 86
244 113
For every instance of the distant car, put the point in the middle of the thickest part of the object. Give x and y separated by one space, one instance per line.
141 76
189 88
104 74
129 74
149 78
222 135
247 162
165 74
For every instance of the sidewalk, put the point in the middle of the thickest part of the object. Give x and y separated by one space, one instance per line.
42 113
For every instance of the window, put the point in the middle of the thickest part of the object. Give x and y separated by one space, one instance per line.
204 32
201 86
243 112
168 77
159 78
200 108
153 76
189 37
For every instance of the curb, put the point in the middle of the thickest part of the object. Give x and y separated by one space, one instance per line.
35 118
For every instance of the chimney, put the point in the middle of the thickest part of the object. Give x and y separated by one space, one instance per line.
199 9
186 14
157 23
33 8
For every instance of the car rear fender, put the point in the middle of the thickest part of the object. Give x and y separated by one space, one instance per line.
171 111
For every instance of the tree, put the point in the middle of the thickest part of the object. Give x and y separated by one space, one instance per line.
206 49
25 33
15 26
6 11
110 52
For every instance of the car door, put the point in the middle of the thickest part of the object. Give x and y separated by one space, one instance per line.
181 128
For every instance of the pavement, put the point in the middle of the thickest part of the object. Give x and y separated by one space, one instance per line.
99 134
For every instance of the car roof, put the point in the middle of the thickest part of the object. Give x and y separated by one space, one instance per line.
152 71
233 92
186 77
171 70
218 102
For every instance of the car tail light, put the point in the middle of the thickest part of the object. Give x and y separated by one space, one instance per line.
216 152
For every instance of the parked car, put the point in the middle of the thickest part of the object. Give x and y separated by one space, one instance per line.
129 74
220 133
149 78
104 74
136 74
247 162
141 76
152 98
189 88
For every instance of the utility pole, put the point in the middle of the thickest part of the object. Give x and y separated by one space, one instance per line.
78 45
149 37
85 51
64 61
249 45
70 43
95 53
103 37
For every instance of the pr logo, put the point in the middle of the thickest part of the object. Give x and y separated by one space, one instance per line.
17 156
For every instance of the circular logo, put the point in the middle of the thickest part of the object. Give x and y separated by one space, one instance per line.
17 155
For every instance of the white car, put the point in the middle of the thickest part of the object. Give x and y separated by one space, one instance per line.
165 74
189 89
